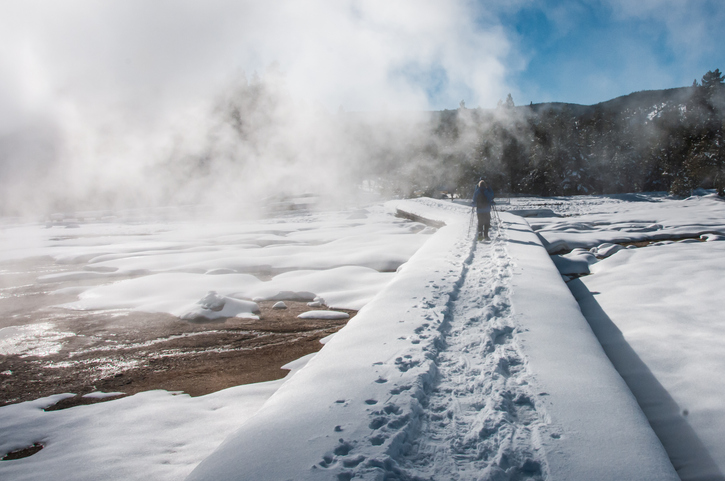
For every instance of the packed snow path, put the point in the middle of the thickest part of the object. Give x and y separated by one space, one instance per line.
480 419
468 365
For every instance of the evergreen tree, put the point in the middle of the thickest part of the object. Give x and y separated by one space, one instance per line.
509 102
713 79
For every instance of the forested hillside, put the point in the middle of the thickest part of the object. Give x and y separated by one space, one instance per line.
666 140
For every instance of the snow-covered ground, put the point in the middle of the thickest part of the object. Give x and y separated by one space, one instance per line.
466 361
345 257
658 311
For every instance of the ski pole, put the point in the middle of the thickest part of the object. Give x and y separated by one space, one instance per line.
470 222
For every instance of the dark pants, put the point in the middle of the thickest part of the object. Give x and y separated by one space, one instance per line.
484 223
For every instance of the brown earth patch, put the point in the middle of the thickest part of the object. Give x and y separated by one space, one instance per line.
22 453
129 352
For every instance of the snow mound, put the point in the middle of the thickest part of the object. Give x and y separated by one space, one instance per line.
102 395
712 237
318 302
329 315
214 306
576 263
605 250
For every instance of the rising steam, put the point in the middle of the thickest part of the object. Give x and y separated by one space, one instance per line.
113 106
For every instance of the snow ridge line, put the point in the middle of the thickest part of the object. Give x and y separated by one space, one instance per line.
477 418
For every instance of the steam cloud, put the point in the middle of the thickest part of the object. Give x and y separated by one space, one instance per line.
125 104
133 103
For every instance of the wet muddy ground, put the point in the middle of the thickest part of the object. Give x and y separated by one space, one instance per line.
48 350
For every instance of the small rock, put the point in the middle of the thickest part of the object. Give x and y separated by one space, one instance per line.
212 301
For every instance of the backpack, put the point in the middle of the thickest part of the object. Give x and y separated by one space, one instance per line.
482 200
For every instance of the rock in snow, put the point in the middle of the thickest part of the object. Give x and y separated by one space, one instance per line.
212 301
214 306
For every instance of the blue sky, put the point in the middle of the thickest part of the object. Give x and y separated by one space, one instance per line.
591 51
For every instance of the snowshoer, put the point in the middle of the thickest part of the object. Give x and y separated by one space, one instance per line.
482 201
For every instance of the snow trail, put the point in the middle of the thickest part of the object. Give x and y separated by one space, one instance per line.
430 382
479 419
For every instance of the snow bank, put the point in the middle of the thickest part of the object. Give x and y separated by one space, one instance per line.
349 287
151 435
621 222
597 430
658 312
169 267
576 262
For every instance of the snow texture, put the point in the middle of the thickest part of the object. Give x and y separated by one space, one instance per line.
330 315
649 219
667 343
169 267
657 312
151 435
466 360
213 306
474 362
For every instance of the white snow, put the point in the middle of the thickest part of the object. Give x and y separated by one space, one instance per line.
667 304
102 395
330 315
151 435
168 268
606 249
657 310
214 306
472 361
650 218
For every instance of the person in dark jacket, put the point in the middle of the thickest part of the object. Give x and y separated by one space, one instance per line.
483 200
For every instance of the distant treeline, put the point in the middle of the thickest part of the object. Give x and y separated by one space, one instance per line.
666 140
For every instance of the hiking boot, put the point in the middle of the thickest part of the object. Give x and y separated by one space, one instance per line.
480 237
